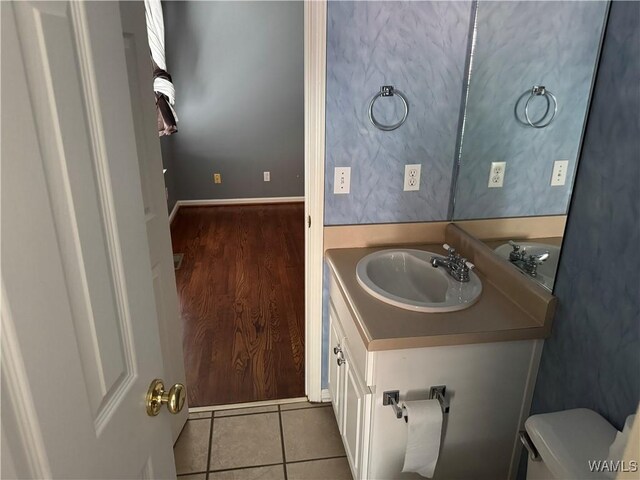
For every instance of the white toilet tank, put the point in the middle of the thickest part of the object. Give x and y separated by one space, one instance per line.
566 441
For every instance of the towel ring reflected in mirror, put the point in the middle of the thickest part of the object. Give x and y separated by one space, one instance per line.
388 91
541 91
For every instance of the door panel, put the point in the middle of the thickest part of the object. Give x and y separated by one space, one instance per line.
76 271
140 79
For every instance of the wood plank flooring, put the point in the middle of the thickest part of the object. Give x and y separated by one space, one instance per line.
241 292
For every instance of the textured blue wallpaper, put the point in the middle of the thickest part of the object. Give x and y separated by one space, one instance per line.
420 48
520 44
592 359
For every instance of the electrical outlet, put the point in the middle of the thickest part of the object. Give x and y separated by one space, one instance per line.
267 176
341 180
559 175
217 178
412 177
496 174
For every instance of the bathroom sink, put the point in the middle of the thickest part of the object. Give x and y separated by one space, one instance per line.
405 278
546 272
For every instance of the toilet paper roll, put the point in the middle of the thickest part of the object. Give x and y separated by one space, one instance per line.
423 436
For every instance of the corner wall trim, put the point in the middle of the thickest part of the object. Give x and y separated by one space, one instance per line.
326 396
315 74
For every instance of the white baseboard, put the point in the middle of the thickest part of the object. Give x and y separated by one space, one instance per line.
240 201
326 397
172 215
230 201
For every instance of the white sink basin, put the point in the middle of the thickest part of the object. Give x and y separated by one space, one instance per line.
405 278
546 272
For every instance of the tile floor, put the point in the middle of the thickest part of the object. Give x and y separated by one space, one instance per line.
295 441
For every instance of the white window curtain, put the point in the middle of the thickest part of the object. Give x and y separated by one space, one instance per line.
162 85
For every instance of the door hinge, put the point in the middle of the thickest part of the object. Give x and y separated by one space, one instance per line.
309 221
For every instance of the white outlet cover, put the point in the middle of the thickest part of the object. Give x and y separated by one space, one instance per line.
496 174
267 176
559 175
412 177
341 180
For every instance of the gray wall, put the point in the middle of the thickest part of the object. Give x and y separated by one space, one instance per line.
420 48
592 359
521 44
238 69
168 178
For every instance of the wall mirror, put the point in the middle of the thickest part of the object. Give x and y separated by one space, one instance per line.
532 68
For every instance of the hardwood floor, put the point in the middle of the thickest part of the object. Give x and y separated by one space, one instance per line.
241 292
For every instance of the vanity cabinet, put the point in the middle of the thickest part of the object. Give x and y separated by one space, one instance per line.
351 398
489 387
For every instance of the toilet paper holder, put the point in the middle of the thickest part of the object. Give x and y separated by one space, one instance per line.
392 397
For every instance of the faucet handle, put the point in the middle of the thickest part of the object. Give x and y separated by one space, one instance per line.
514 245
450 250
543 256
464 263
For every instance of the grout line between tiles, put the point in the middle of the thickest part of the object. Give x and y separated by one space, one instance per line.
233 469
306 408
191 473
244 414
316 459
284 454
265 465
209 450
261 413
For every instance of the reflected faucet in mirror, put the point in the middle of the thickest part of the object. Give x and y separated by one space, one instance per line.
525 261
536 259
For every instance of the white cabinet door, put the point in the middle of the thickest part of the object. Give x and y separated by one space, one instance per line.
80 339
336 375
355 395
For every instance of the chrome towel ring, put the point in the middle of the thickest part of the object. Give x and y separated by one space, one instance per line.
541 91
388 91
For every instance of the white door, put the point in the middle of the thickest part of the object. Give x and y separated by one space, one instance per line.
80 338
139 70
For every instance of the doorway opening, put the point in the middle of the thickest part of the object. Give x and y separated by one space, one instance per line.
235 177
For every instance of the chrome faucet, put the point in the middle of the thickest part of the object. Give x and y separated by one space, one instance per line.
458 267
525 262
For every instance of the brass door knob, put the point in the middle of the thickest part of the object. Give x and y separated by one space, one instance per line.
157 396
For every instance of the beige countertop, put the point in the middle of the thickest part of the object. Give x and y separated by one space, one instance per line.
494 318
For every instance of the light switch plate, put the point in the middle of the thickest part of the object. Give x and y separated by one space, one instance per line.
412 177
496 174
266 176
341 180
559 175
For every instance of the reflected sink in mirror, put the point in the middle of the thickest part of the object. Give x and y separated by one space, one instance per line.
406 279
545 272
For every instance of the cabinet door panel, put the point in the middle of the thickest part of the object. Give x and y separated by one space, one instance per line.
354 416
335 370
